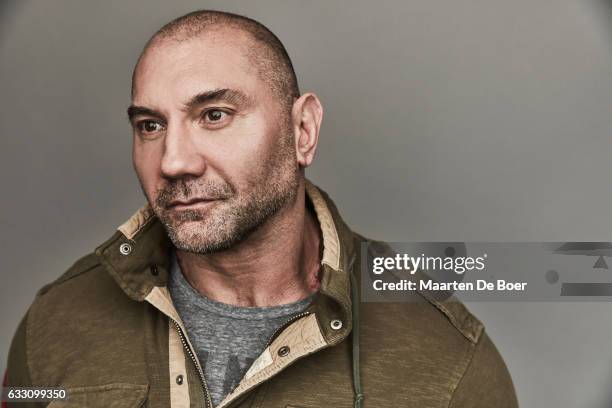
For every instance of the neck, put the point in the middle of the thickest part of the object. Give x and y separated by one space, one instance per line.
277 264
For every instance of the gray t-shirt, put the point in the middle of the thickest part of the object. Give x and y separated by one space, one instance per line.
227 339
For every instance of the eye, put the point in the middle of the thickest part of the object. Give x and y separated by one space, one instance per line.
215 117
149 126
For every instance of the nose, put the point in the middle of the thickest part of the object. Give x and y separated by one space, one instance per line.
181 157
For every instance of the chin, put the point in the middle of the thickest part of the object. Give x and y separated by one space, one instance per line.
195 237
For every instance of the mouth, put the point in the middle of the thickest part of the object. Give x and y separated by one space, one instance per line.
192 203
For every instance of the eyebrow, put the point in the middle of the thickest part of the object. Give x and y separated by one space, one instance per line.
134 110
231 96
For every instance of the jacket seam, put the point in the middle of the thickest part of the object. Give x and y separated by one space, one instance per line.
59 281
465 371
463 326
260 395
460 325
25 351
79 273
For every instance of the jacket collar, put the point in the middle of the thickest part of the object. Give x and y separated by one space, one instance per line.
137 257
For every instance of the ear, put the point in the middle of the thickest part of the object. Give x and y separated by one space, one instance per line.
306 116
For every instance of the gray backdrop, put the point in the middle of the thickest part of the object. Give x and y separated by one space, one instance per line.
444 120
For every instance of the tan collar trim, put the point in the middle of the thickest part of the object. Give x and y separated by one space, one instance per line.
177 365
135 223
161 299
331 242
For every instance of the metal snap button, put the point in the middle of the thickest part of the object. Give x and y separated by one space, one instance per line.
284 351
179 379
125 249
336 324
153 269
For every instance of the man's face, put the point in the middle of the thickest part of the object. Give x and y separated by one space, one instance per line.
212 146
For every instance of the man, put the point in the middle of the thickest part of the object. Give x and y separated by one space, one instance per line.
237 284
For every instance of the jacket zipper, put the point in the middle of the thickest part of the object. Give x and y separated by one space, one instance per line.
276 332
195 361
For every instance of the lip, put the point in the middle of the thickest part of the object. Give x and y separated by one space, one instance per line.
191 203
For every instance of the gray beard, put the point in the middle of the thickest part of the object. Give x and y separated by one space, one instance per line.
223 228
232 219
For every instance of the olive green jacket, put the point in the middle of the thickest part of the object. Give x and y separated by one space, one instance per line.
108 332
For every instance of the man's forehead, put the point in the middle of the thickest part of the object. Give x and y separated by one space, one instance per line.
202 52
228 39
209 61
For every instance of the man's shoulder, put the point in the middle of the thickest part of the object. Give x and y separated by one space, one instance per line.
426 310
78 300
435 344
43 321
82 316
81 291
89 263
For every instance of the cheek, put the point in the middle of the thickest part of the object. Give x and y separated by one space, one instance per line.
259 157
240 151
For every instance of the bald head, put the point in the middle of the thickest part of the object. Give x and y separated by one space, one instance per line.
264 51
